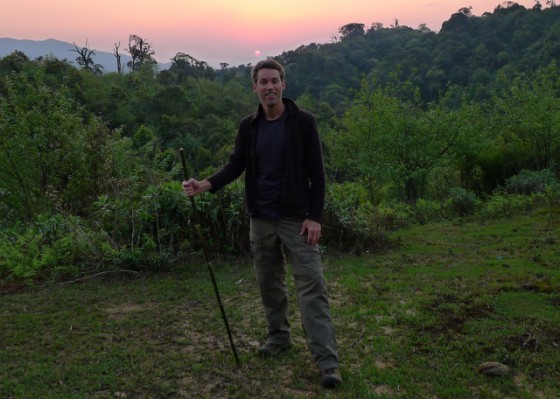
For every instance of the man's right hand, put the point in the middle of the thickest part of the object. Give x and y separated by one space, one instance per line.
193 187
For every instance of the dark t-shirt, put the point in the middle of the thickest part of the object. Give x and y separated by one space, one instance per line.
271 143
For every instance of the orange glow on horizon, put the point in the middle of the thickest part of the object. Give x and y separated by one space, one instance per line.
217 28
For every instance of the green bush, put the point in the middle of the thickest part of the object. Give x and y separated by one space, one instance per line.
528 182
52 153
551 196
159 225
351 222
20 256
142 225
52 247
396 215
425 211
461 202
223 221
500 205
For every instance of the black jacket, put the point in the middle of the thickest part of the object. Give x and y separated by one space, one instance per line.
303 184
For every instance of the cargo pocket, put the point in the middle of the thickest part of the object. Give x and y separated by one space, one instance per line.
306 258
256 248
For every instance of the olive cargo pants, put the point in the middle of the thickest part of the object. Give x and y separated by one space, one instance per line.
267 238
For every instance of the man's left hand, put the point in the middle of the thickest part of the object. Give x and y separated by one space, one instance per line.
313 231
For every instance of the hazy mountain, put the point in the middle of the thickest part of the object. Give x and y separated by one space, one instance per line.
63 51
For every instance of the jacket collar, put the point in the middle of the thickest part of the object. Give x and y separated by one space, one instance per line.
291 109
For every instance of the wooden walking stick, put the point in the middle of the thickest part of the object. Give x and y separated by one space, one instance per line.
207 258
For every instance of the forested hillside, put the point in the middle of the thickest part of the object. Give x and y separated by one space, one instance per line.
416 125
469 51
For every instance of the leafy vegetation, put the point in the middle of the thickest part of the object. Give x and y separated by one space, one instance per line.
417 126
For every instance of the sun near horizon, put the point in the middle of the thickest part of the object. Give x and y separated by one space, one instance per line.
218 29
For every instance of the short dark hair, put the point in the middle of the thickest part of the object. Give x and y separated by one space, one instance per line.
269 63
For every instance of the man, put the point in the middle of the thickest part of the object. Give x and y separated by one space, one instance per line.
279 150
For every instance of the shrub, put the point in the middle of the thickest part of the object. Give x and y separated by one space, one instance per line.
396 215
223 221
160 223
528 182
154 221
551 196
49 248
461 202
425 211
500 205
351 222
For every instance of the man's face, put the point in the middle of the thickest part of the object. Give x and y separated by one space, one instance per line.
269 87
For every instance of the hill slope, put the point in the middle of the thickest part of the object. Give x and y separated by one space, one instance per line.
57 49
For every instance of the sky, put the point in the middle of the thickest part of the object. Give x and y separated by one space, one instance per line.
217 31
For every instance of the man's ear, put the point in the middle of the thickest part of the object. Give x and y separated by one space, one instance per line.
254 86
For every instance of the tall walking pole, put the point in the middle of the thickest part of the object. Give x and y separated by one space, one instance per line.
206 257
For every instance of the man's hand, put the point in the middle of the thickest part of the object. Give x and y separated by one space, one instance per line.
313 231
193 187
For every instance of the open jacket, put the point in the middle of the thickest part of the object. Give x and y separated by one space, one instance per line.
303 184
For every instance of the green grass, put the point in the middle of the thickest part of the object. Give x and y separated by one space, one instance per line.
413 322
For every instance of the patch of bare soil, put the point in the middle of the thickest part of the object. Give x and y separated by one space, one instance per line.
121 311
454 320
292 375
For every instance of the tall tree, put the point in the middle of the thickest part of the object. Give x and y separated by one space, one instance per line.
528 112
85 58
141 52
118 57
184 65
351 30
391 138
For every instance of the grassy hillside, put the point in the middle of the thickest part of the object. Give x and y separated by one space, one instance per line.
413 322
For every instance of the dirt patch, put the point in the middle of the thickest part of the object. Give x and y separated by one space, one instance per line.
121 311
383 390
521 381
388 330
542 339
453 313
383 364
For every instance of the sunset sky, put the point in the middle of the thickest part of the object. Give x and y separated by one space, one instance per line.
215 31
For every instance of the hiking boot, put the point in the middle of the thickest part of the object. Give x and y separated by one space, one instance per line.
330 378
270 350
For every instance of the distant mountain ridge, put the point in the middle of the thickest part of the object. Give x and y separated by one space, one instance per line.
62 51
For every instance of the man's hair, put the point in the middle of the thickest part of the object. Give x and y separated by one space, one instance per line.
269 63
